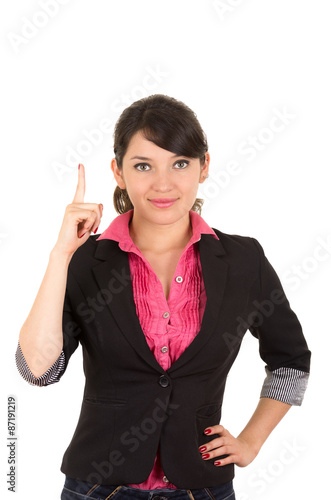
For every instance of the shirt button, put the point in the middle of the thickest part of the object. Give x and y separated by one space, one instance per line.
165 315
179 279
164 349
165 479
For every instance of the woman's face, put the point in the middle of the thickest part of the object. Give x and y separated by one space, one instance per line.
152 172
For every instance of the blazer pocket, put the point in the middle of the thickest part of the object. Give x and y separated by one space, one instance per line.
206 416
105 401
208 411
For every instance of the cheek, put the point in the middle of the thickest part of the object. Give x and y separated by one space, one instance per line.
137 190
190 184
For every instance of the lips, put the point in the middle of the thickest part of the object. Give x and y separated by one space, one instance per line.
163 200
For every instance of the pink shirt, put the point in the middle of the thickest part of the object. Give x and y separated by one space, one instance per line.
169 325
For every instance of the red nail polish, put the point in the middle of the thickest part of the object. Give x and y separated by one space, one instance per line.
78 166
206 455
96 230
207 431
81 236
203 448
218 462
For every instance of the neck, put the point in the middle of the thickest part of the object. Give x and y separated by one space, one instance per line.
160 238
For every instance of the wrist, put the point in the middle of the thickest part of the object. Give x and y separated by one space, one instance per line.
253 443
59 255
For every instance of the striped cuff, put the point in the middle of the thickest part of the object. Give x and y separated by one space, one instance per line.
285 384
51 376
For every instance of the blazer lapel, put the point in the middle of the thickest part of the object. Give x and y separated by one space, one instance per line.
115 263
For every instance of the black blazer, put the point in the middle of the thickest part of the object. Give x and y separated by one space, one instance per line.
130 403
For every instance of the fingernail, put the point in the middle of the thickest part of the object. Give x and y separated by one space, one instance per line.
96 230
206 455
218 462
82 235
78 166
207 431
203 448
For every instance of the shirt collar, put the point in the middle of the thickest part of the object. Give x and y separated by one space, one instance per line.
118 230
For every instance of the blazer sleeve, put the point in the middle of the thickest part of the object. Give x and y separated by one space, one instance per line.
49 377
71 331
282 344
70 320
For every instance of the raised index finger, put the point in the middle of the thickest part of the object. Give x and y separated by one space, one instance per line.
80 190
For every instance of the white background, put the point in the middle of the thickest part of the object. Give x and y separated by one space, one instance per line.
236 70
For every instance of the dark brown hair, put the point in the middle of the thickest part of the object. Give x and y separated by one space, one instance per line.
167 122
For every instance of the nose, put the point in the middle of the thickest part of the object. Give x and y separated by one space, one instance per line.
162 181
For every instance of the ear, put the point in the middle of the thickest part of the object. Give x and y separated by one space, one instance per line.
118 174
205 168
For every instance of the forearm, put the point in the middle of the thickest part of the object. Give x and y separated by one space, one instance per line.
265 418
41 336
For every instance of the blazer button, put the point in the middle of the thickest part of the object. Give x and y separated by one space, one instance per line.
163 381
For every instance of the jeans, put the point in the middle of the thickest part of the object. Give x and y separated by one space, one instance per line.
75 489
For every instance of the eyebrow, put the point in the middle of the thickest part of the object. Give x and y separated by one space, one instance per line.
147 159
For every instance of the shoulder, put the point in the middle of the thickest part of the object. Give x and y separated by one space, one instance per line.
239 245
86 255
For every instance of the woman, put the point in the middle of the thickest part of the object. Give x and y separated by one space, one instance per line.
160 302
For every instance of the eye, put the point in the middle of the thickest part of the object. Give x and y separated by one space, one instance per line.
141 164
181 162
